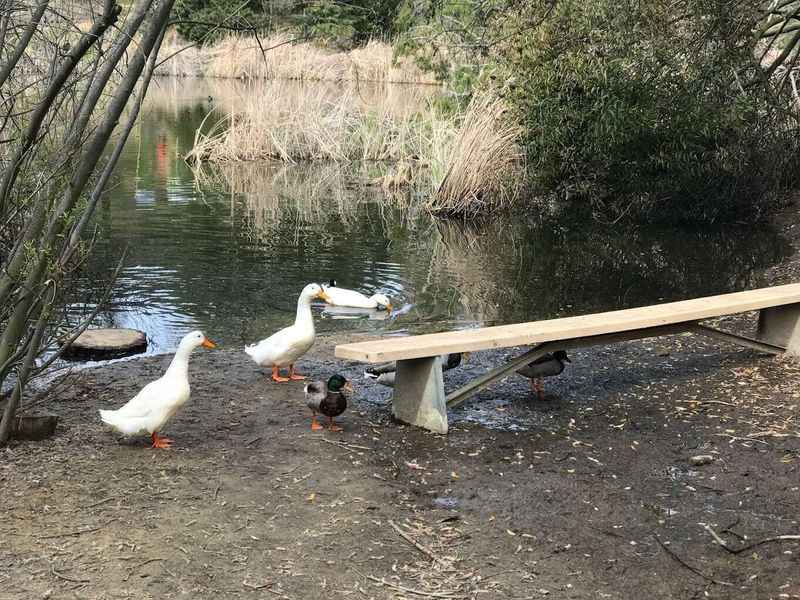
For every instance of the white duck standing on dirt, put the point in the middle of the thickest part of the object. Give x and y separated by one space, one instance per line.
284 347
337 296
150 409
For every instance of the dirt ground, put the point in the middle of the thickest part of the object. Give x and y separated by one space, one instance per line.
589 495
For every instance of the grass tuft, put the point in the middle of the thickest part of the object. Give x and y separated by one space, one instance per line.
483 169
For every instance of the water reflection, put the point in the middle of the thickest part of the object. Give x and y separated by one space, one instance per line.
557 268
229 250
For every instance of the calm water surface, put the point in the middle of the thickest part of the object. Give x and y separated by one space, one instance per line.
228 252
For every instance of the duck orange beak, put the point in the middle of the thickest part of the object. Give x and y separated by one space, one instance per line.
348 387
389 307
207 343
323 296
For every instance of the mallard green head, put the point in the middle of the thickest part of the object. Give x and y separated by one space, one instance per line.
561 355
336 383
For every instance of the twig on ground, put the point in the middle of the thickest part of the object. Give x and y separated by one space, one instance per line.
426 551
72 533
772 433
738 438
259 586
344 445
408 590
141 564
65 578
253 441
726 546
708 402
99 502
682 562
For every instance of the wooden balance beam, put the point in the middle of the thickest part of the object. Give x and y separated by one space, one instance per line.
419 397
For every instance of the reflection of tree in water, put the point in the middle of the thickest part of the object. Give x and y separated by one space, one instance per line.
580 268
278 200
504 271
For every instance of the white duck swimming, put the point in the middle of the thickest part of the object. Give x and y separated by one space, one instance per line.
150 409
344 297
284 347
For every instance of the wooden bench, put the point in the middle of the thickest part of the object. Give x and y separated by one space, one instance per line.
419 396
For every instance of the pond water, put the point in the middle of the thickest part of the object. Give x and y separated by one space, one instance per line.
229 251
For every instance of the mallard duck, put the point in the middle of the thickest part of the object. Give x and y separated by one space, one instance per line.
284 347
328 399
344 297
385 373
544 366
150 409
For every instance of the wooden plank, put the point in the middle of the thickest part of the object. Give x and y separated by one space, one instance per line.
460 395
538 332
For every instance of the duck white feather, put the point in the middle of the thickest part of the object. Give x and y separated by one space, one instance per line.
154 405
344 297
284 347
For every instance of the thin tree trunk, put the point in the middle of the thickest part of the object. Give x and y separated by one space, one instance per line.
102 78
10 410
5 9
19 49
68 65
100 186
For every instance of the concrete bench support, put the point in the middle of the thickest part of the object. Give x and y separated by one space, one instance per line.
419 394
780 326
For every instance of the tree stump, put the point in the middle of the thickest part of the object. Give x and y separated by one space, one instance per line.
34 428
104 344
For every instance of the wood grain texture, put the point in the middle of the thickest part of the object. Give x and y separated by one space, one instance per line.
537 332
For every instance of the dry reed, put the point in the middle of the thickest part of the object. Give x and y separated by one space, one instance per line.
289 122
179 58
483 168
241 57
473 164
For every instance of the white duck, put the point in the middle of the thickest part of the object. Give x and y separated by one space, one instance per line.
284 347
344 297
150 409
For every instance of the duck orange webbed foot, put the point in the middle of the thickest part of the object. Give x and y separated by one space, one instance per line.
276 376
315 426
160 442
333 426
295 376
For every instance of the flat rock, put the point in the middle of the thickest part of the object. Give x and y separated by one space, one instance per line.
34 427
100 344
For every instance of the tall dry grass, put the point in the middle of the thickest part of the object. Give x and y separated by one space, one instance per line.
178 58
473 163
241 57
284 121
483 165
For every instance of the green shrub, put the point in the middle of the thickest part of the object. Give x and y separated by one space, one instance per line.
638 110
200 20
346 24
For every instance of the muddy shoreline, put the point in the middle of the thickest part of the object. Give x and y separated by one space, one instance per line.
590 494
